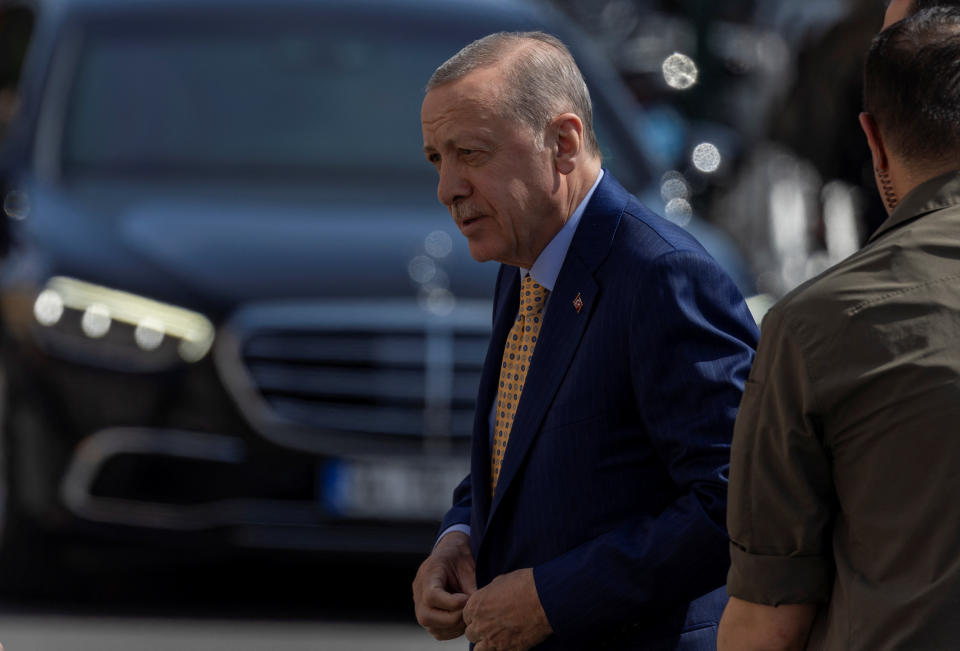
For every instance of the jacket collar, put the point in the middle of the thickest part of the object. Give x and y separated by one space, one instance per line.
939 192
599 223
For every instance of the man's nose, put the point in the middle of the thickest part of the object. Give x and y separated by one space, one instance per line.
452 185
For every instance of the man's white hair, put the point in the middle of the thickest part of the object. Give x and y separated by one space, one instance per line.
541 79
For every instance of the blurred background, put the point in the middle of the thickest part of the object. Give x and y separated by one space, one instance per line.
239 337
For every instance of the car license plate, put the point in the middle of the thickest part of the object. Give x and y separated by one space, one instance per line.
417 489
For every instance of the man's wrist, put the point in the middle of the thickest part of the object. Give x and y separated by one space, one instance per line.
542 622
456 528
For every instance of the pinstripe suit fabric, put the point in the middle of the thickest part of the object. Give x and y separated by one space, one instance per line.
613 487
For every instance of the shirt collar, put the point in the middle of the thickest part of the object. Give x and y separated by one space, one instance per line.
546 267
939 192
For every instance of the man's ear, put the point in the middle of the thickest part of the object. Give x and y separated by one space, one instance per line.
566 132
874 141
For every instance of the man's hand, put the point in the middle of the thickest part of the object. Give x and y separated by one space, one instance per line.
443 585
506 615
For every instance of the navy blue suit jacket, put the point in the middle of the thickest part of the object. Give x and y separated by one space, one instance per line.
613 487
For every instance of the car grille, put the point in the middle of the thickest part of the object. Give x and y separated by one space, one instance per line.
355 377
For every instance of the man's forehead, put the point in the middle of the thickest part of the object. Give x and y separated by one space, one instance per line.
484 85
461 108
451 130
470 91
453 105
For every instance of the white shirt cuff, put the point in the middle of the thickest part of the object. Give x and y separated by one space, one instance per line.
465 528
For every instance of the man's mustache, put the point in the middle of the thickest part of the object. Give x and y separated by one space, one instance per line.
464 211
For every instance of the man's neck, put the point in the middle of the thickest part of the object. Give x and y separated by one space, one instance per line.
575 187
907 175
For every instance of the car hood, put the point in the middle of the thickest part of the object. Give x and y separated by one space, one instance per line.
216 247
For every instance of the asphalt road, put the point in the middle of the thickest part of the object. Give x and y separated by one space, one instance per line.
280 604
78 633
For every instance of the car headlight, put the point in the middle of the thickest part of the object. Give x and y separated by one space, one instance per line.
94 324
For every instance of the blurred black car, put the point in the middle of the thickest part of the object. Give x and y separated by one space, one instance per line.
233 312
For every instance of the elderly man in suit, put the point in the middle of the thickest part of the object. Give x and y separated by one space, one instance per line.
593 513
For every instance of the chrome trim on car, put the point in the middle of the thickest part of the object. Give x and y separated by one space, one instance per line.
93 452
415 363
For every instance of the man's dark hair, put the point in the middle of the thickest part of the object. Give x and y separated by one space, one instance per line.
920 5
912 85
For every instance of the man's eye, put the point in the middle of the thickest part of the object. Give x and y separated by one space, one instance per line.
434 158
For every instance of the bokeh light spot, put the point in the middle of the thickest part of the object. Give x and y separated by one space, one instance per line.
679 211
679 71
438 244
96 321
149 333
673 185
438 301
48 308
706 157
422 269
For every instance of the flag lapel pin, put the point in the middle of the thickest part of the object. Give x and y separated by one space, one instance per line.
578 303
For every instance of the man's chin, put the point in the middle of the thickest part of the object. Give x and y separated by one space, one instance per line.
480 253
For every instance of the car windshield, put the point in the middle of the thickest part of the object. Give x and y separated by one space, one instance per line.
333 97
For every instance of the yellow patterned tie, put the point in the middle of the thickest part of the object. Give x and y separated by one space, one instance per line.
517 354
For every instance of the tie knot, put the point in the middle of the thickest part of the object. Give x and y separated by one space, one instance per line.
533 295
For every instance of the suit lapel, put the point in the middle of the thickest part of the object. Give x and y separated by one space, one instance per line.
563 325
505 311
